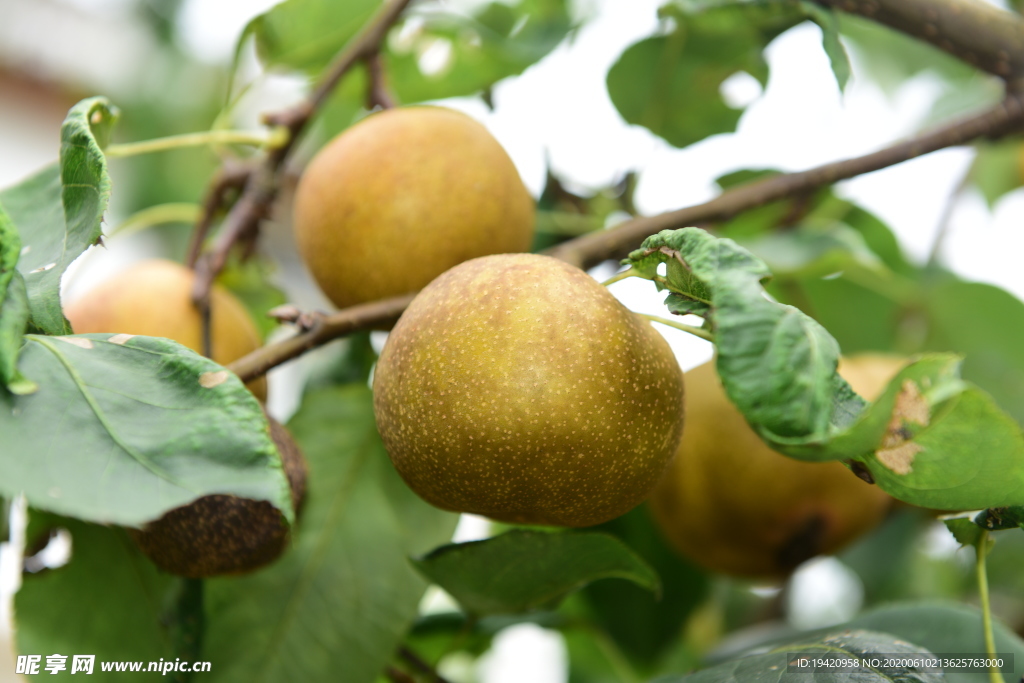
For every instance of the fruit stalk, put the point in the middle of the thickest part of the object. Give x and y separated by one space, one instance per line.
189 625
986 607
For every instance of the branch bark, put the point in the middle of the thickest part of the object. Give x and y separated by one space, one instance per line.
261 187
987 37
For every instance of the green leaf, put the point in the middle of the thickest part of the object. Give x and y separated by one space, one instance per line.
124 429
997 168
772 666
808 252
829 23
999 519
109 600
58 211
671 84
498 40
641 624
251 282
931 439
337 604
521 571
965 531
986 324
13 308
939 627
307 34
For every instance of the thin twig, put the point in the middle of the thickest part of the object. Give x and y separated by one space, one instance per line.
261 186
396 675
376 315
415 662
231 176
377 95
946 219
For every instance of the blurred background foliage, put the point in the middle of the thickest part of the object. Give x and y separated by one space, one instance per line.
832 258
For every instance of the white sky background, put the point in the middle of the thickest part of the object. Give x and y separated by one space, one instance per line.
560 108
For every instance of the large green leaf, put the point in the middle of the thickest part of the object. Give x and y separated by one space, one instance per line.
13 308
931 439
671 84
306 34
336 605
772 666
500 39
58 211
108 601
521 570
641 624
125 428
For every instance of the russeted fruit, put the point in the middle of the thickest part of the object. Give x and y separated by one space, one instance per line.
401 197
516 387
154 299
223 534
734 506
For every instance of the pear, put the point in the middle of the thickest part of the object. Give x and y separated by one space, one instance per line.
401 197
154 299
517 387
222 534
736 507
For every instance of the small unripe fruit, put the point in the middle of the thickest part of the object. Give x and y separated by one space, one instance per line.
735 506
516 387
401 197
154 299
221 534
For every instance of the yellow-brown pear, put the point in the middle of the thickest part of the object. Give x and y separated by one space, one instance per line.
401 197
736 507
154 299
516 387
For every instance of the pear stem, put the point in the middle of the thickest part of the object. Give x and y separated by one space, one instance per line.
618 277
189 626
695 331
208 137
981 549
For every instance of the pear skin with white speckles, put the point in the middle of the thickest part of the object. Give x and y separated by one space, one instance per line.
518 388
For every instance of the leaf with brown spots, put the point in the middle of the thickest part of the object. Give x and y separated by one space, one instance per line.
124 429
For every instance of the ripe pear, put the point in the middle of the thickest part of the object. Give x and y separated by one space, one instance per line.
154 299
222 534
516 387
734 506
401 197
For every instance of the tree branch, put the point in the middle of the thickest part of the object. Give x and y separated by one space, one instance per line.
595 247
378 315
261 186
591 249
987 37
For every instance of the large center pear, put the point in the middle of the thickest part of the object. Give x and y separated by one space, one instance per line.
401 197
518 388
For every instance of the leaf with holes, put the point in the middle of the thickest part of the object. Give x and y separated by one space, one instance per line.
475 51
125 428
521 571
930 439
58 211
335 606
671 84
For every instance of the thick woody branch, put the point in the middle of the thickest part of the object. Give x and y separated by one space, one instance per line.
987 37
591 249
261 186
